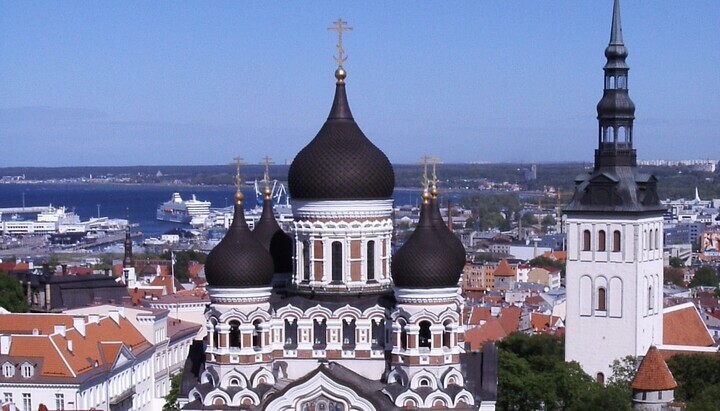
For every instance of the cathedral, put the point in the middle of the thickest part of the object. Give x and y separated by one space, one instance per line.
322 318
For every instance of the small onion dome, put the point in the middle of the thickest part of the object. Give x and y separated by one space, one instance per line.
457 250
267 232
426 259
239 260
340 162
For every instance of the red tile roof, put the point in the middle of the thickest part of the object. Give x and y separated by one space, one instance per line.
503 269
478 315
653 374
490 331
682 325
510 319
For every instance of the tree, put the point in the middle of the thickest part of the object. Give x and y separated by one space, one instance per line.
11 294
677 262
548 220
708 399
171 399
674 275
706 276
623 372
694 374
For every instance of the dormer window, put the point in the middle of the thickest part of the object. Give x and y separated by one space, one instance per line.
8 370
27 370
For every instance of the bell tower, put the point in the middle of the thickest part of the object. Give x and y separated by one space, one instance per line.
615 235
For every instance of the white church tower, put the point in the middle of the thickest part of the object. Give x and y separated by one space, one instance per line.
615 236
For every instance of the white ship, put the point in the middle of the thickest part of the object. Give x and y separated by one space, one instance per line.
178 211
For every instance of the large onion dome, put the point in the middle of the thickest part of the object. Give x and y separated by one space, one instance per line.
426 260
239 260
267 232
340 162
457 250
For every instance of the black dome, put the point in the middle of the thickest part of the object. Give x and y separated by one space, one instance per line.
457 249
340 162
426 260
239 260
269 234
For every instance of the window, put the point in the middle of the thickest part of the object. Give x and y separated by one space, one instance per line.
425 335
601 299
8 370
257 334
586 240
306 260
59 402
27 401
616 240
235 334
601 240
370 260
650 298
27 370
337 263
403 336
8 397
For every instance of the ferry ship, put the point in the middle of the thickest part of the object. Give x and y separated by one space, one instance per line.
178 211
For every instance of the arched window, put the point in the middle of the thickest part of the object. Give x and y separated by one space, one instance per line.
621 137
600 378
403 335
609 134
601 240
257 334
601 299
611 82
658 239
651 298
446 333
371 260
337 263
348 328
425 336
320 333
306 260
622 82
378 334
235 334
586 240
291 333
651 240
616 240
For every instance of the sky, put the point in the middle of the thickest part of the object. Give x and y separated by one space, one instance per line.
108 83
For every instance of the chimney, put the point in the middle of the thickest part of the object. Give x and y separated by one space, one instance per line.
48 302
121 311
5 342
64 269
79 324
70 345
60 329
93 319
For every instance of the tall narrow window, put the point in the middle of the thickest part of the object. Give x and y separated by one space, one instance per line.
601 240
371 260
650 298
337 263
234 334
306 260
586 240
616 240
424 335
601 299
403 335
257 334
291 333
320 333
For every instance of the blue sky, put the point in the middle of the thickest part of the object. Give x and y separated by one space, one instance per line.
161 83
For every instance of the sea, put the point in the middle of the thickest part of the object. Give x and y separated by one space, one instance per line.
137 203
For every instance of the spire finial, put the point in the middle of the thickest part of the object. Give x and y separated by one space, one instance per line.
425 180
434 189
616 38
266 178
340 26
238 180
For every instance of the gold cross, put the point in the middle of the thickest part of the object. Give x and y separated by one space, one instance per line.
340 26
434 161
424 161
267 161
238 181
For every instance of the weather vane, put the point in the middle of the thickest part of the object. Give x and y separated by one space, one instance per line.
238 180
340 26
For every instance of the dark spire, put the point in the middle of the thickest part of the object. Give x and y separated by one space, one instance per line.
615 185
616 111
270 235
340 108
128 260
